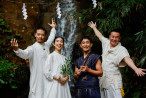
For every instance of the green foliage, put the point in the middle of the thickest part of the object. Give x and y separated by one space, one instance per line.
141 48
66 68
109 14
136 94
6 35
7 73
12 75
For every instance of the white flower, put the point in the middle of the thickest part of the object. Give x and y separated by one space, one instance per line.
24 11
58 10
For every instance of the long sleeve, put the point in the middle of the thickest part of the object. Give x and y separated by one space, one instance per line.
51 37
48 68
25 54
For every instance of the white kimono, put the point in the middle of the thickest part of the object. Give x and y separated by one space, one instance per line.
53 89
37 54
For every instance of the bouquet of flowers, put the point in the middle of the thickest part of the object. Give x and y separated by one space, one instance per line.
66 68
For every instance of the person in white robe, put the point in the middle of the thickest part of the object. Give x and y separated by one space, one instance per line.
112 54
56 85
37 54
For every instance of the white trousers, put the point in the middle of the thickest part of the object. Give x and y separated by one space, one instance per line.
111 92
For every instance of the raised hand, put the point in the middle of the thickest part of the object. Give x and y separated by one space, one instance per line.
14 44
96 31
92 25
53 24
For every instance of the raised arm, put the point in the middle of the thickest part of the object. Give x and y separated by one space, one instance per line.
52 33
131 64
96 31
97 72
24 54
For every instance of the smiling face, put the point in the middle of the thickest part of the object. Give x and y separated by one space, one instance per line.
86 45
114 38
58 43
40 36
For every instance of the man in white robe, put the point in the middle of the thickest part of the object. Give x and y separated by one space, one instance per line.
112 54
37 54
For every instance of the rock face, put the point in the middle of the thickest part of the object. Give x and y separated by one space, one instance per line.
48 11
39 13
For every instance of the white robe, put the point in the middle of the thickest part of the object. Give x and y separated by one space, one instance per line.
53 89
37 54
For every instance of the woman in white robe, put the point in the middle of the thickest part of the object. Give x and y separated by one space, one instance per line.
56 85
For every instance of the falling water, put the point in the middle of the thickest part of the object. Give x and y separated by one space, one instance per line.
66 26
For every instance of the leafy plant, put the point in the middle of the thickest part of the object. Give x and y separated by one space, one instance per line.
7 72
66 68
12 76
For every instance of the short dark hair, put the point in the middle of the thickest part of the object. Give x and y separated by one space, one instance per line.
116 30
41 28
86 37
59 37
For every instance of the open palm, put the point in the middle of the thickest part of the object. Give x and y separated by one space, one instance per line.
53 24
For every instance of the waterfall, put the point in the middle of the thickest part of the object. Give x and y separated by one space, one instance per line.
66 26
